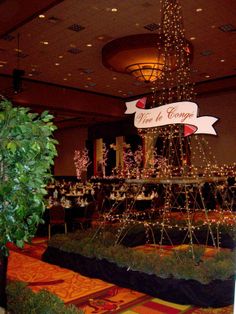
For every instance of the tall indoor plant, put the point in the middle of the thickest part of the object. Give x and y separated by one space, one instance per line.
27 150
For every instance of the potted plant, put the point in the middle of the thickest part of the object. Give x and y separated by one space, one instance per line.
27 150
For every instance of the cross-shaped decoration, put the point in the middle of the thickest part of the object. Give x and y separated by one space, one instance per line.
119 149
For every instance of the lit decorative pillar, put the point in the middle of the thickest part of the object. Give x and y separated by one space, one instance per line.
149 140
98 157
119 152
119 149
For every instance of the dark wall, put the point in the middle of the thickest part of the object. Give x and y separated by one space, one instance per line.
111 130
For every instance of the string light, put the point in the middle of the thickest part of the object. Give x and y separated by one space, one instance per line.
173 163
81 161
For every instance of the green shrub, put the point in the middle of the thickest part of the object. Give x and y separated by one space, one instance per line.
180 264
219 269
22 300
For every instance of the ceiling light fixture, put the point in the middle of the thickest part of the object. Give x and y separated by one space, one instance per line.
140 55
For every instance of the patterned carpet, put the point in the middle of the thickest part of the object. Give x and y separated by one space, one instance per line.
94 296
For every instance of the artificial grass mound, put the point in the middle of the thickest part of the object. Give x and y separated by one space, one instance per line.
178 277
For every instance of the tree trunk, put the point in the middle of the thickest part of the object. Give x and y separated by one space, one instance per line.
3 279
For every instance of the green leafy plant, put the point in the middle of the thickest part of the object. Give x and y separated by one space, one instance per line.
27 150
21 299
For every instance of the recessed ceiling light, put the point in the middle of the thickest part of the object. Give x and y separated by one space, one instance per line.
33 70
69 74
44 42
114 78
137 24
207 76
222 60
56 63
114 10
65 79
119 91
1 65
89 45
60 57
35 73
192 38
41 16
89 78
30 74
198 9
100 37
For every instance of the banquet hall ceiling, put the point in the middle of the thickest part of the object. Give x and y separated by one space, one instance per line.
64 47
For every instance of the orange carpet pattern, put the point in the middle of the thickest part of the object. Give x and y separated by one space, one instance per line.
67 284
94 296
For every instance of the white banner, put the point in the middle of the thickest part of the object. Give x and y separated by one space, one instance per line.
184 112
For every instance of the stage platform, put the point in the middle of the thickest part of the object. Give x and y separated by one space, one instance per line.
91 295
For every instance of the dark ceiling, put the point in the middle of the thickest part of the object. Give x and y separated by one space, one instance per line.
63 46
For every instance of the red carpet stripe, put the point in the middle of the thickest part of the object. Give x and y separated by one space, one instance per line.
161 308
45 283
